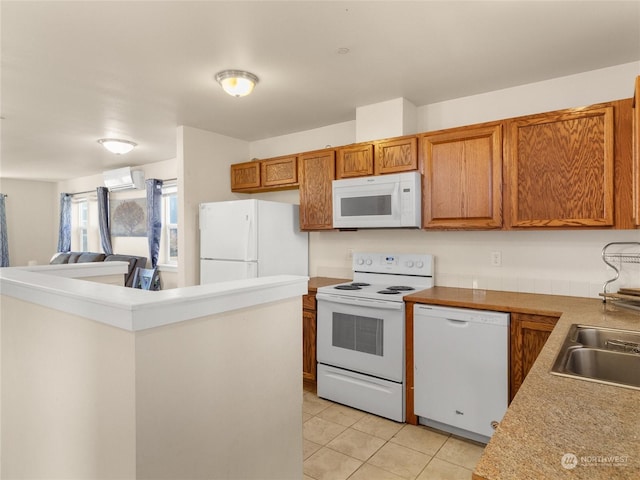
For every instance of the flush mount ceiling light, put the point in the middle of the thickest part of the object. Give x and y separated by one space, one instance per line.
236 83
117 146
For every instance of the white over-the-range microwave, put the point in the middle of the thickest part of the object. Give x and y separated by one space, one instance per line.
381 201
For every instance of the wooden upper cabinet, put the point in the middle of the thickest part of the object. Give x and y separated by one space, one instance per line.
354 161
462 186
561 168
393 156
636 154
245 176
279 171
316 172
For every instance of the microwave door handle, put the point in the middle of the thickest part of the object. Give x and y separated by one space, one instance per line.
364 302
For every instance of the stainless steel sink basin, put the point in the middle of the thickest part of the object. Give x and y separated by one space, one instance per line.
608 338
603 355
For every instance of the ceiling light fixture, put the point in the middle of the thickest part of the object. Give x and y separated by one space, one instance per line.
117 146
236 83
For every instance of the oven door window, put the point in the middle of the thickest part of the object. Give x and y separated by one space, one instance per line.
361 334
362 338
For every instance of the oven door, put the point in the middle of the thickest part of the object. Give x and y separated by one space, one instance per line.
362 335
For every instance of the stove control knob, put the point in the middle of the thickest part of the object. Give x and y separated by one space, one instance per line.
360 261
419 264
369 262
409 263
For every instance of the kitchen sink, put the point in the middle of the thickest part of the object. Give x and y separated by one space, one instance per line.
599 354
608 338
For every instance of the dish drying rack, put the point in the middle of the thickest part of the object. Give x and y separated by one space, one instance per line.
624 297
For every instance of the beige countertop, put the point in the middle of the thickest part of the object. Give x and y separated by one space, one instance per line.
552 416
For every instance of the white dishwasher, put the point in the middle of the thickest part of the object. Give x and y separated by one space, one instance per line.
461 369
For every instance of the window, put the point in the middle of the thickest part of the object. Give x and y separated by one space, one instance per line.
83 225
170 207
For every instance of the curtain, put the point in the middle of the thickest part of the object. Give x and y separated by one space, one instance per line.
4 242
103 219
64 232
154 218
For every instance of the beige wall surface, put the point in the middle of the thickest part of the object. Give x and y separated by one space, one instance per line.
68 398
204 160
217 397
32 220
221 397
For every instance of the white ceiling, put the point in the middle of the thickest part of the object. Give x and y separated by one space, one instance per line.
76 71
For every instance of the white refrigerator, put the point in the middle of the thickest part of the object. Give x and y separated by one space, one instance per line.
251 238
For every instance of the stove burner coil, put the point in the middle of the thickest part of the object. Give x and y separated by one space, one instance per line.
352 286
347 287
401 288
389 292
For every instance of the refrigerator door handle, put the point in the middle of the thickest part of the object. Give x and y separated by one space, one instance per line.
247 243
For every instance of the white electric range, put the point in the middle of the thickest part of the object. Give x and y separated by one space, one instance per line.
361 332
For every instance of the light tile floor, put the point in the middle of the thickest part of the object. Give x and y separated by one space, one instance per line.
344 443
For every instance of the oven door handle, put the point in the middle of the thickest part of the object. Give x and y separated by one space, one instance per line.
363 302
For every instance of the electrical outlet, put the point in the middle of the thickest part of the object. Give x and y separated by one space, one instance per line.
349 254
496 259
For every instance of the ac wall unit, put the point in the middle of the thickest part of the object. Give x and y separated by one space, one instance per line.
123 179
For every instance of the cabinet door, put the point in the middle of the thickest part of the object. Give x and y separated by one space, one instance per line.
354 161
462 185
245 175
317 171
528 334
636 153
309 345
395 156
561 168
279 171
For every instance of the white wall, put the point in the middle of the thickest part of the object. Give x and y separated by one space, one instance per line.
220 397
306 141
32 220
204 160
613 83
68 404
555 262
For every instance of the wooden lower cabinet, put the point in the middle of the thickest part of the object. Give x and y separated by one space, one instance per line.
309 339
528 334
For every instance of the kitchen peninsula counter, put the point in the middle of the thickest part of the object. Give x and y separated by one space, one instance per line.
104 381
552 416
63 287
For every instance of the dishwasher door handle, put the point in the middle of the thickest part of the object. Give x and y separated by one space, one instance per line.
457 323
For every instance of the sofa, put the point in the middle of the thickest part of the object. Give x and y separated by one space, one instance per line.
85 257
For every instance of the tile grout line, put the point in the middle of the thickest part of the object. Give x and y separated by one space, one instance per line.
366 462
